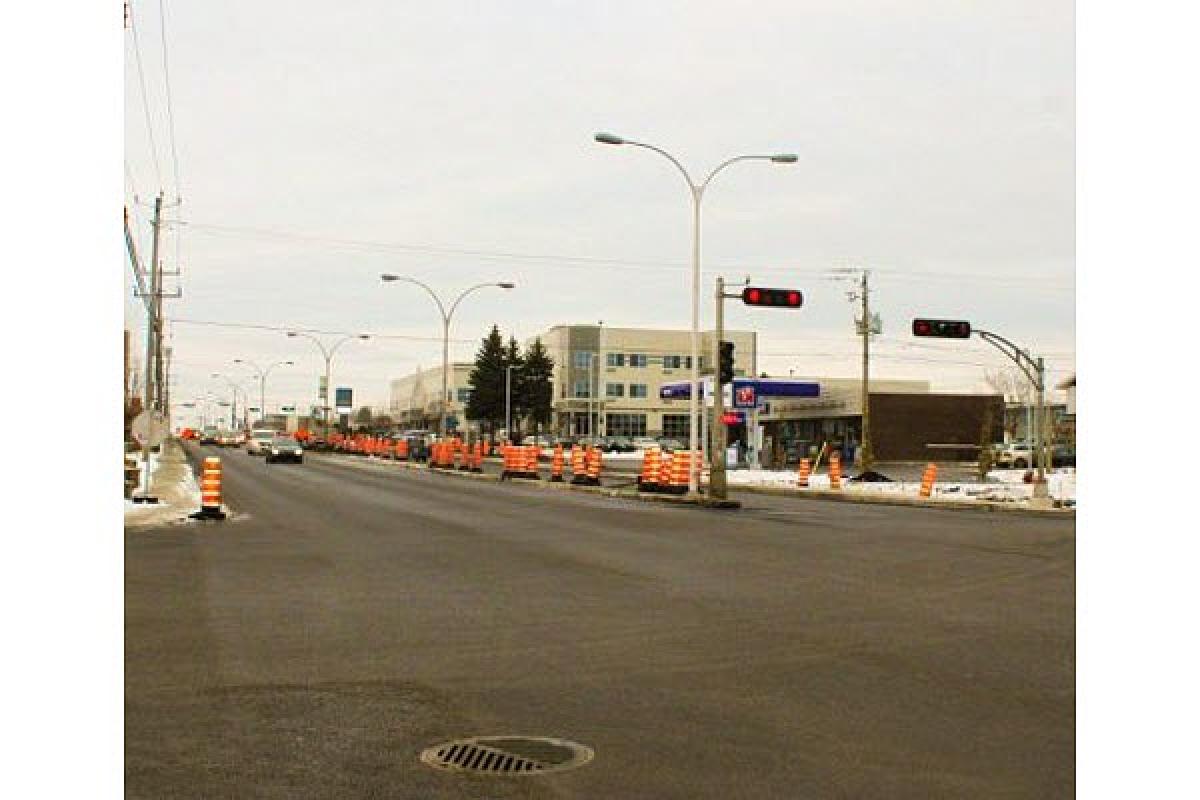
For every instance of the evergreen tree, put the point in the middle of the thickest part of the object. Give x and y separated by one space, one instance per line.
512 358
486 403
537 390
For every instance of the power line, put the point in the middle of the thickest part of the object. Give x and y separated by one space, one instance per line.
576 261
285 329
162 28
137 52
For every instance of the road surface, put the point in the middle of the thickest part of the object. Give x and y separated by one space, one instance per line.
350 614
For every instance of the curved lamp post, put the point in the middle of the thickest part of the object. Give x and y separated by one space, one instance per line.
447 315
327 352
262 377
697 193
235 387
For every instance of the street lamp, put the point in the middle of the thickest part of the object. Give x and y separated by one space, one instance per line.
262 377
328 354
697 193
387 277
236 387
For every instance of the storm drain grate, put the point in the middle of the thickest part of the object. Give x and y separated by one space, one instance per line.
508 755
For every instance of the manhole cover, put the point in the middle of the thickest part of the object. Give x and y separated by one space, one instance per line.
508 755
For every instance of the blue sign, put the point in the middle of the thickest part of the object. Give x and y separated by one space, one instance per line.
757 388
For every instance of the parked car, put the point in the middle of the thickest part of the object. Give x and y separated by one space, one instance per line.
671 445
617 444
1016 455
209 436
1062 455
260 439
227 439
284 448
644 443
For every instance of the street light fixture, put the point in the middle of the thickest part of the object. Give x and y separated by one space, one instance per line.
328 354
697 194
388 277
236 387
262 377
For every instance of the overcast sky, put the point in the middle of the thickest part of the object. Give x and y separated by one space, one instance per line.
320 144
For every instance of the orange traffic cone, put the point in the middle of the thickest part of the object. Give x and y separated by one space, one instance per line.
928 479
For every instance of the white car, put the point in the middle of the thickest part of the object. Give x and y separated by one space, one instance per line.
645 443
260 440
1018 455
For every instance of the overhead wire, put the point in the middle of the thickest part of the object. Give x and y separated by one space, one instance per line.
137 53
576 261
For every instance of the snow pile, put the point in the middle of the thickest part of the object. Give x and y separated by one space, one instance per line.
173 482
1001 486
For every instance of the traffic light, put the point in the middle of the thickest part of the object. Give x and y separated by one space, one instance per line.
772 298
942 328
725 370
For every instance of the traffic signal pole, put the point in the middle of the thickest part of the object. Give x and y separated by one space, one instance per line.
718 485
1035 371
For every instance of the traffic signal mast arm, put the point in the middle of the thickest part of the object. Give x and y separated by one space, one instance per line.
1019 356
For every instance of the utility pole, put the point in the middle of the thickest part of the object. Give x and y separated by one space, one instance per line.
717 484
868 456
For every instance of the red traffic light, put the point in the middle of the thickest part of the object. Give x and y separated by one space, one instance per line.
942 328
773 298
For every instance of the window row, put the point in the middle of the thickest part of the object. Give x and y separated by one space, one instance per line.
582 359
583 388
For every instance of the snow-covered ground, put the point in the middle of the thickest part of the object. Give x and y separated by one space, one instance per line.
172 482
1001 486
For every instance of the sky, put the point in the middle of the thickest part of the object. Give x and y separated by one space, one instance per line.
319 145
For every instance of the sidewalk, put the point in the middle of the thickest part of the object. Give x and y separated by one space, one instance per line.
173 483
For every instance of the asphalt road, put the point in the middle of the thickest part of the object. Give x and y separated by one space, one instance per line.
350 614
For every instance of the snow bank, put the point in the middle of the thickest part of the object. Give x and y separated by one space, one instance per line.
1001 486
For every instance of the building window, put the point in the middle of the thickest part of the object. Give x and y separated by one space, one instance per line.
637 390
675 426
615 359
464 396
582 359
625 424
637 359
614 390
672 362
583 387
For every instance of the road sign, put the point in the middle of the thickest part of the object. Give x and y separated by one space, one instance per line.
343 398
150 428
744 396
323 389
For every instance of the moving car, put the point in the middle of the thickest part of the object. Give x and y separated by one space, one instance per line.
284 448
228 439
209 436
259 439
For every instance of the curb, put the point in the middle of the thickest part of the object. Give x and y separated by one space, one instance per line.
831 495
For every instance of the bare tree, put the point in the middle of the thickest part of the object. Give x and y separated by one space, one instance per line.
1012 383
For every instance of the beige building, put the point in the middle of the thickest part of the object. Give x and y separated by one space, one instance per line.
607 379
413 400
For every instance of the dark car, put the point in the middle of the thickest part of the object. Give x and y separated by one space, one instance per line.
284 448
618 444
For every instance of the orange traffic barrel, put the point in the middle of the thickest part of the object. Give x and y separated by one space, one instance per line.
594 462
802 475
556 464
651 465
578 466
835 470
210 491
